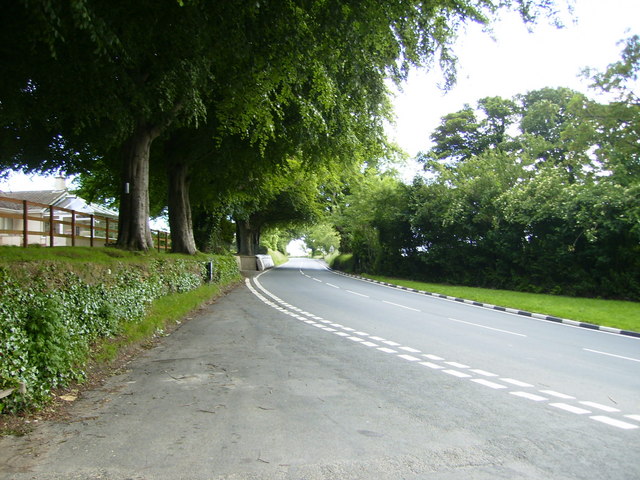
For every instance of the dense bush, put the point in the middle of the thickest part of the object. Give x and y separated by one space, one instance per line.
50 317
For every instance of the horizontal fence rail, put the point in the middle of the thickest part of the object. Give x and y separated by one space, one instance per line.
30 223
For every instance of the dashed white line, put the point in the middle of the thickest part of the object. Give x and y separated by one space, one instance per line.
391 343
529 396
401 306
488 328
484 373
612 355
432 365
356 339
570 408
456 373
359 294
557 394
457 365
613 422
433 357
369 344
599 406
387 350
487 383
342 334
409 358
361 333
377 339
409 349
517 383
332 285
634 417
316 280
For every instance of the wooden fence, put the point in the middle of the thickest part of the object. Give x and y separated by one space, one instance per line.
29 223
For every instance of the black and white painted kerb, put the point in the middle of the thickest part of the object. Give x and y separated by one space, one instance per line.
514 311
433 362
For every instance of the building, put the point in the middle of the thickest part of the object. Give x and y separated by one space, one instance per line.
54 218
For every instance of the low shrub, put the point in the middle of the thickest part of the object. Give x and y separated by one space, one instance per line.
50 314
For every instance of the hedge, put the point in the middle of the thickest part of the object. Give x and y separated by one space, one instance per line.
51 313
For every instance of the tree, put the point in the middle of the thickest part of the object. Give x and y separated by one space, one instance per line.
112 79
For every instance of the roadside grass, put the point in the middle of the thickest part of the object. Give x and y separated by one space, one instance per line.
165 313
102 255
278 257
611 313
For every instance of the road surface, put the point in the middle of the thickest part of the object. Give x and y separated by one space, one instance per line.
306 374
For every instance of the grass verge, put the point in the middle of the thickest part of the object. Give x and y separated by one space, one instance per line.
166 312
278 257
611 313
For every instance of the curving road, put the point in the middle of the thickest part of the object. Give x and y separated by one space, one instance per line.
307 374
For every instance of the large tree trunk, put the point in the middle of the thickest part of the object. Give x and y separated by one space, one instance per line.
180 221
133 222
247 237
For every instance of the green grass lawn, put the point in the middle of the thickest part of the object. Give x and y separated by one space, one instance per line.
610 313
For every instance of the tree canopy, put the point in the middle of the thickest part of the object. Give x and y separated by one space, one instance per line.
92 86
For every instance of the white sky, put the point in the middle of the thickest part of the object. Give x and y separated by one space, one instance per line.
515 62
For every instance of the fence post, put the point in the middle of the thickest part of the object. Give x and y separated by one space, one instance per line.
92 227
166 241
51 226
25 223
73 228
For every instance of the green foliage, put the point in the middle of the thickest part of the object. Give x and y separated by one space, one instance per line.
52 315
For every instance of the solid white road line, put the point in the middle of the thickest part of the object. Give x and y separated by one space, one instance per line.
488 328
612 355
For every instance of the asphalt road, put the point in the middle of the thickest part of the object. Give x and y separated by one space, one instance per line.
306 374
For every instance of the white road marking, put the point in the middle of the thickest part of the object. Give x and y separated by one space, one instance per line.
409 357
359 294
457 365
291 311
529 396
456 373
432 365
487 383
570 408
488 328
613 422
433 357
409 349
517 383
599 406
361 333
401 306
612 355
317 280
332 285
484 373
557 394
